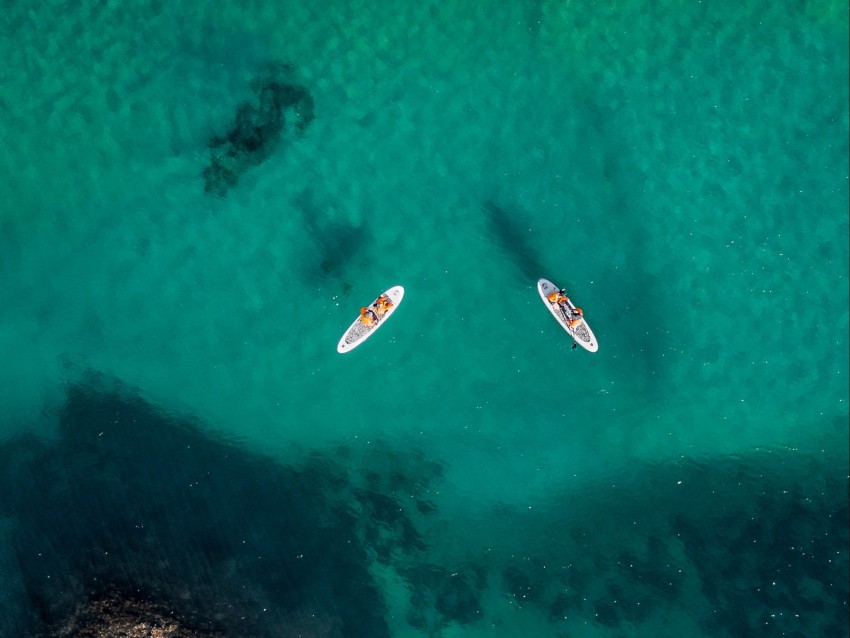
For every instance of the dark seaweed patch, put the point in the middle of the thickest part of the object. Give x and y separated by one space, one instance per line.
564 604
768 552
519 586
457 600
607 613
131 502
440 596
258 128
780 568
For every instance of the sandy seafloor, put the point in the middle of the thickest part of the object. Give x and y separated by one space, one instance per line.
175 420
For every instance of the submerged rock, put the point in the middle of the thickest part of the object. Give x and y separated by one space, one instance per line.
258 128
134 519
115 614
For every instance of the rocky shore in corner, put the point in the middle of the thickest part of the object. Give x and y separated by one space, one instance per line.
114 616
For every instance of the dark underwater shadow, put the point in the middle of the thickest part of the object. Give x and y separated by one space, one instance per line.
281 106
632 305
132 501
337 244
510 232
764 553
137 513
636 313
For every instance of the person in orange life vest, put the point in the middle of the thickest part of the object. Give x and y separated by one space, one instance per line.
368 317
559 297
383 304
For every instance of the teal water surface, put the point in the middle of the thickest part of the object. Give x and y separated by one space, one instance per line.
199 198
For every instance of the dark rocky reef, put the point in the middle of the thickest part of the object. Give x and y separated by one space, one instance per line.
781 571
135 511
281 105
116 615
767 552
135 521
440 597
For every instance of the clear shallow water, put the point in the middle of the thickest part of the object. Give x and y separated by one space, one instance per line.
681 170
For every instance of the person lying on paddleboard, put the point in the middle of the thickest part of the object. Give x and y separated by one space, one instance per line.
383 304
574 315
368 317
559 297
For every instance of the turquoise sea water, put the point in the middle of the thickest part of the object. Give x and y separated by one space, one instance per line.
175 420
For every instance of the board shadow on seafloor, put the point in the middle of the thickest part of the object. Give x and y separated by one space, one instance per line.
513 237
338 243
630 292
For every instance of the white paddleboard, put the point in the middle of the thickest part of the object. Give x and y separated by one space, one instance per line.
358 331
581 332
